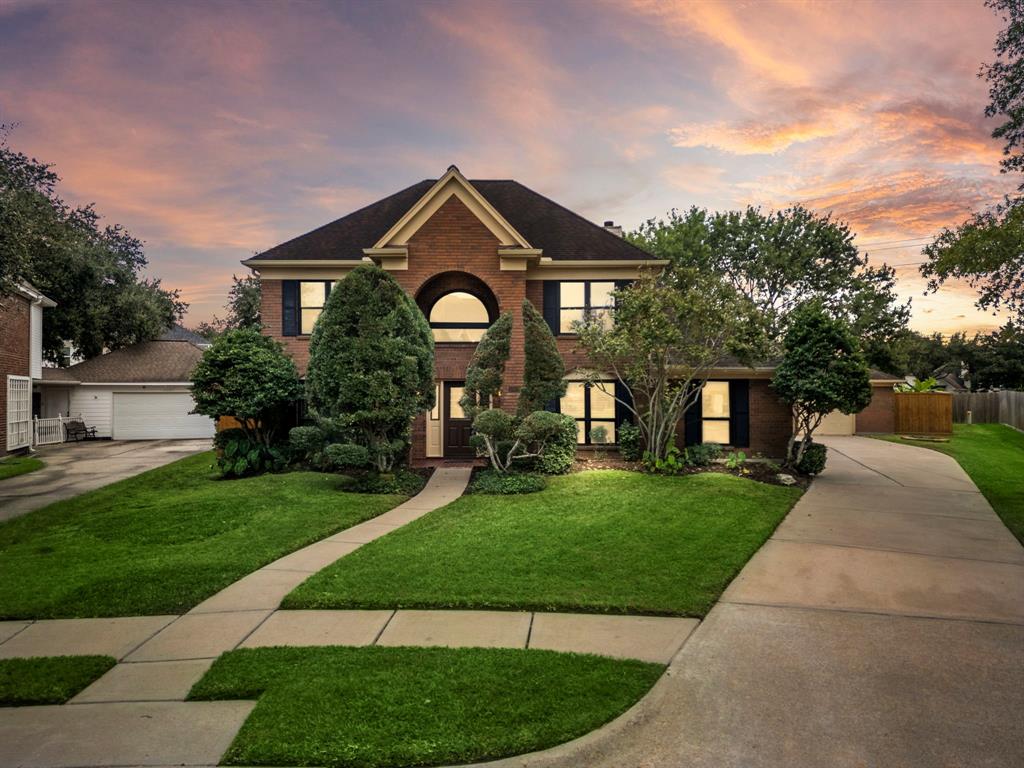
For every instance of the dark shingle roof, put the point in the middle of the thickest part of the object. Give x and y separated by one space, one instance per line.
177 333
562 234
152 361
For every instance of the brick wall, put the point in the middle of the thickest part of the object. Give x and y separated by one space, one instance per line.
880 415
14 352
771 420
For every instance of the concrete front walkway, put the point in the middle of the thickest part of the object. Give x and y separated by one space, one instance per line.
882 625
74 468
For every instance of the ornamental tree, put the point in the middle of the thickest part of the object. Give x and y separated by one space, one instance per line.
371 364
246 375
487 367
666 339
822 371
544 369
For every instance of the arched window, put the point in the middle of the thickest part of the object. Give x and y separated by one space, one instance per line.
459 316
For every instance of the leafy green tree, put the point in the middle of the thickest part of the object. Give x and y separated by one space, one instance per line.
246 375
664 343
244 299
821 371
987 250
544 369
998 359
371 364
93 272
506 440
779 259
487 367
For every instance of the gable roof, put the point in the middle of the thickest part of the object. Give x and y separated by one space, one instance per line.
560 233
179 333
150 361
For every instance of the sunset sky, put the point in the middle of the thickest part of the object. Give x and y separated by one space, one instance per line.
212 129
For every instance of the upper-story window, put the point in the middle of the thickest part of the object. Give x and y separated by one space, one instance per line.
312 297
459 316
586 298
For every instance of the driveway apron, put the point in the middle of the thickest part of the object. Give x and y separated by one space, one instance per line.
882 625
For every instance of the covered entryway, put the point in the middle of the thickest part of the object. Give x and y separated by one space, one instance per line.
158 416
457 428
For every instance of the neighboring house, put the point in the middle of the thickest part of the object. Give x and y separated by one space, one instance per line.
141 392
467 251
21 361
950 382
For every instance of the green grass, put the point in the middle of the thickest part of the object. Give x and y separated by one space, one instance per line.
13 466
603 541
374 706
165 540
48 679
993 455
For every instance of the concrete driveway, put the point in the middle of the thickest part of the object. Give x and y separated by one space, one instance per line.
882 625
74 468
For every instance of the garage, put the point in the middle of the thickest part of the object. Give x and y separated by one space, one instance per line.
838 423
158 416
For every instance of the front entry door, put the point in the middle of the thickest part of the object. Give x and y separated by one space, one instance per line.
457 428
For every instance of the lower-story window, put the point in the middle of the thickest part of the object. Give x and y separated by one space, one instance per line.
593 407
715 412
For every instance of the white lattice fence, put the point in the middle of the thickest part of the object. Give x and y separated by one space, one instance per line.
48 431
19 412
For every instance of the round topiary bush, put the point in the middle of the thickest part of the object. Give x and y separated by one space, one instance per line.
560 451
347 455
813 460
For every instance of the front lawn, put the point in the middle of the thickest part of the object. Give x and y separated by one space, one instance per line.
48 679
993 455
602 541
165 540
13 466
376 707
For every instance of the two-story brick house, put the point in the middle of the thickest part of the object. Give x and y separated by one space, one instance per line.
467 251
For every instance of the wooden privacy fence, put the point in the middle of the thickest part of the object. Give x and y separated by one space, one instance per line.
990 408
924 413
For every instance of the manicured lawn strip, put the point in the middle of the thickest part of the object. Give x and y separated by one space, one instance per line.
48 679
602 542
165 540
13 466
993 455
375 707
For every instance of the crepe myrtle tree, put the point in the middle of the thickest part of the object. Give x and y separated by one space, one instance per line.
822 370
246 375
371 364
666 338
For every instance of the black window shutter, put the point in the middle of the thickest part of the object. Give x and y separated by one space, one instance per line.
552 299
290 307
622 413
694 429
739 413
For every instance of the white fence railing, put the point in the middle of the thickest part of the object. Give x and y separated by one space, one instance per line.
48 431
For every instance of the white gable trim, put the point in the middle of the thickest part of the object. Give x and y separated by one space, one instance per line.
452 183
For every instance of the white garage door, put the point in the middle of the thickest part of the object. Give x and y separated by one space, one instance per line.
158 416
837 423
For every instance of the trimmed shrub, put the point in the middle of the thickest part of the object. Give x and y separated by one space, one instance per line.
347 456
560 450
402 482
813 460
543 368
702 455
507 483
629 441
306 442
240 457
487 367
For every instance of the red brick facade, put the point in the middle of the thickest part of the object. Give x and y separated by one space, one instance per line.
771 420
880 415
15 323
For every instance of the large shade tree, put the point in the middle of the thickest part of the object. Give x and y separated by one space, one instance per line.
92 271
779 259
371 364
822 370
666 339
987 250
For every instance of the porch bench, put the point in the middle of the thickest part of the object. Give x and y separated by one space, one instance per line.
76 430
